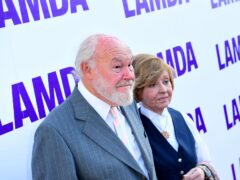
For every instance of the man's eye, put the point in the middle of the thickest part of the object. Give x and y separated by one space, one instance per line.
117 67
130 66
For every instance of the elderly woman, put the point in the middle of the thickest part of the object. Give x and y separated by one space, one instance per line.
178 149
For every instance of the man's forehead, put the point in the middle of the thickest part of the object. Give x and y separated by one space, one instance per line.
114 49
111 43
122 58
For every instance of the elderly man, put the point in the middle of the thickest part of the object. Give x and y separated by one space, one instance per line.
96 133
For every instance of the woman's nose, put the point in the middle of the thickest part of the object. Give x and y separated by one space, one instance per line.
162 88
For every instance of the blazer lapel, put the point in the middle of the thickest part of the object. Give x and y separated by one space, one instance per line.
99 132
139 132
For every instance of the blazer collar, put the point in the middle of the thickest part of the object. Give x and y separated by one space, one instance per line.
140 136
99 132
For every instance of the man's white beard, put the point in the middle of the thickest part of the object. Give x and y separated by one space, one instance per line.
121 99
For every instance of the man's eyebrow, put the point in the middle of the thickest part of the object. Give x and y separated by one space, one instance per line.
116 59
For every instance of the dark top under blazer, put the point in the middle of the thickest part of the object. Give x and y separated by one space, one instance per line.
170 164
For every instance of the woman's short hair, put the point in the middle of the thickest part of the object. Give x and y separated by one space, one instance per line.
147 69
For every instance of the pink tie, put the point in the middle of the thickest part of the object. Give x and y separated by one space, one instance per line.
127 139
119 125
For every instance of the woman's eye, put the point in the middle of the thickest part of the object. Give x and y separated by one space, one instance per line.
166 81
152 85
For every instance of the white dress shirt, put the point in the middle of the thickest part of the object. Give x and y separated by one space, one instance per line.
103 109
163 122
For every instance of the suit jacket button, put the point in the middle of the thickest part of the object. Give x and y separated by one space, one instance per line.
182 172
179 159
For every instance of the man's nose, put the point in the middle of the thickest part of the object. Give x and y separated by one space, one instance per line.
129 73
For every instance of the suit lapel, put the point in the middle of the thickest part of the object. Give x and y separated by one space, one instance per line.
99 132
138 132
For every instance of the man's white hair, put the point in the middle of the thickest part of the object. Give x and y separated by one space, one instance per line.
86 51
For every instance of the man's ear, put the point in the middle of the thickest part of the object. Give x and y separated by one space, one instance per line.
86 70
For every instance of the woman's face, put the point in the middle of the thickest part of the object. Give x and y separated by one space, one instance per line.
158 95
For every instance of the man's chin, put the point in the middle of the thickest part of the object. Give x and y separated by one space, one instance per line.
123 99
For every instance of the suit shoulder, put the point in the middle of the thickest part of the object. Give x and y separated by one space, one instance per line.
172 110
58 114
133 106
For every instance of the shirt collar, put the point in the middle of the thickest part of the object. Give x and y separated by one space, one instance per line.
100 106
151 114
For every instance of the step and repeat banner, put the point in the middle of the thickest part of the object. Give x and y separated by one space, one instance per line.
199 39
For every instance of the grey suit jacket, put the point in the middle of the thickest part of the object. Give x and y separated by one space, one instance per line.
74 142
